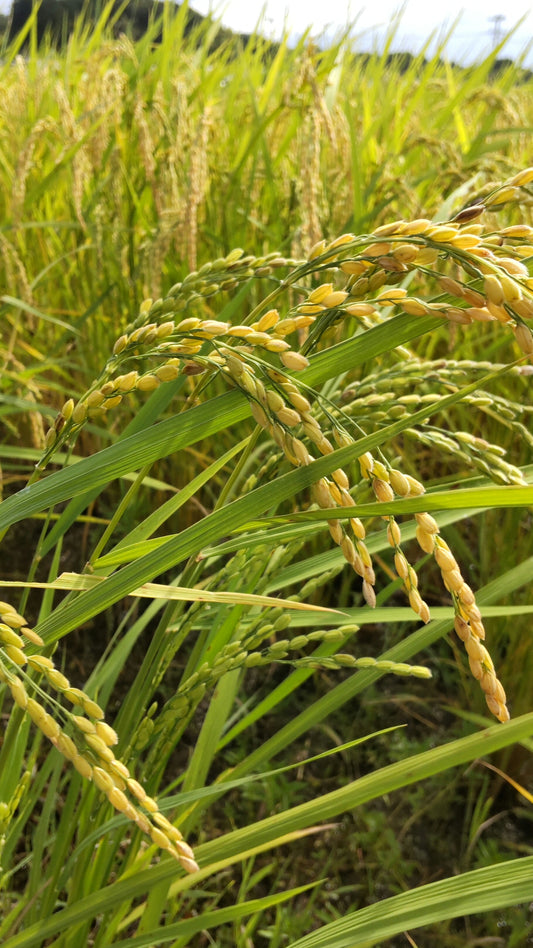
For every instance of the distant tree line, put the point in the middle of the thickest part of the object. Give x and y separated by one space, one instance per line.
56 18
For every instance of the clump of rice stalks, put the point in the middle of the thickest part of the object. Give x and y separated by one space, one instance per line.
467 273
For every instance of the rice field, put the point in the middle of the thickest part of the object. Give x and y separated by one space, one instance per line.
265 571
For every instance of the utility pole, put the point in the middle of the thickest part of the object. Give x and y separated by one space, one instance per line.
497 31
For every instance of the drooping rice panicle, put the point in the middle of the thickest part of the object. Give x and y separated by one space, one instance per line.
495 287
478 275
88 746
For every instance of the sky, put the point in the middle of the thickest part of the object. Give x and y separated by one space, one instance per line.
473 36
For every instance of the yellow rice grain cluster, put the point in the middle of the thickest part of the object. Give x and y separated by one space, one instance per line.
279 409
499 286
90 749
388 483
468 619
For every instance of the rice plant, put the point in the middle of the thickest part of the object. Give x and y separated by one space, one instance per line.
211 446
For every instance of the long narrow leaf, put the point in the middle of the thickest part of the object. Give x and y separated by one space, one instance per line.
209 920
483 890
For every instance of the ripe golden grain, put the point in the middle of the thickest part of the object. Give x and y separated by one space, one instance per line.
524 338
294 360
414 307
